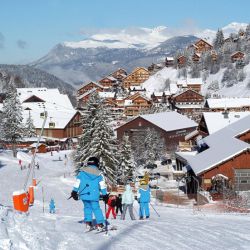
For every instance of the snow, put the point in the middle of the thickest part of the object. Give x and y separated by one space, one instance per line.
228 102
216 121
53 102
170 121
145 38
223 144
176 228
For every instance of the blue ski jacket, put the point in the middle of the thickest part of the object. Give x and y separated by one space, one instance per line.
144 193
90 182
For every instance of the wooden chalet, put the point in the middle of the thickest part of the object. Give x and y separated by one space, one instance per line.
214 55
196 57
237 56
187 101
181 61
136 103
108 82
136 78
119 74
160 97
172 127
231 104
225 157
211 122
202 46
63 120
89 86
194 84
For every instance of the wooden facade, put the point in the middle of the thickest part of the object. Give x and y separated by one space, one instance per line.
237 56
187 101
181 61
119 74
196 57
72 129
108 82
136 78
229 168
202 46
138 103
140 125
89 86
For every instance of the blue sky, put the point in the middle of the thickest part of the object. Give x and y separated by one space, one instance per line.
30 28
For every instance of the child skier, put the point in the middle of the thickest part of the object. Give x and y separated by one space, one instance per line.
127 202
119 204
90 182
111 205
52 206
143 198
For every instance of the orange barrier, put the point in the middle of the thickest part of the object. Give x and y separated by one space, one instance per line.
20 201
31 195
34 182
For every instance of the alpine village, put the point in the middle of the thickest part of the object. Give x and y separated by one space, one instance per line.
170 125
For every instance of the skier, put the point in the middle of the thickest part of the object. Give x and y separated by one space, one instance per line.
143 198
52 206
127 202
90 182
119 204
111 205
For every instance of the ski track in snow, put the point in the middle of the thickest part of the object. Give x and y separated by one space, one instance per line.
175 229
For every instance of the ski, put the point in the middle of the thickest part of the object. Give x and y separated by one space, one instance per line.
112 228
91 229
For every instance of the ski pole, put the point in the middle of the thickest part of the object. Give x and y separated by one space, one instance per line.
79 192
106 222
154 209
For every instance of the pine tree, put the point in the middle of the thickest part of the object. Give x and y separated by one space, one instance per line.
248 31
154 146
88 120
104 146
30 130
125 168
12 118
97 139
219 39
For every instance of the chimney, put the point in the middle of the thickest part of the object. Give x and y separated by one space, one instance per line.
225 114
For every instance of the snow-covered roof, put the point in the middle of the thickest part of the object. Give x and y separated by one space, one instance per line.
228 102
137 87
96 83
222 144
216 121
107 94
86 93
48 95
192 81
169 58
59 108
170 121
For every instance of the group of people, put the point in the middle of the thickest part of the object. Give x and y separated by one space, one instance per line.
90 183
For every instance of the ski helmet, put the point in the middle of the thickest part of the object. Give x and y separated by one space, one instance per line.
93 161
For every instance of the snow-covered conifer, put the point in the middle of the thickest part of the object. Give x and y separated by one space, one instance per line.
29 130
219 39
12 118
126 164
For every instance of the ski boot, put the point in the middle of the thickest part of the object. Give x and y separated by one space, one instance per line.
141 218
100 227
